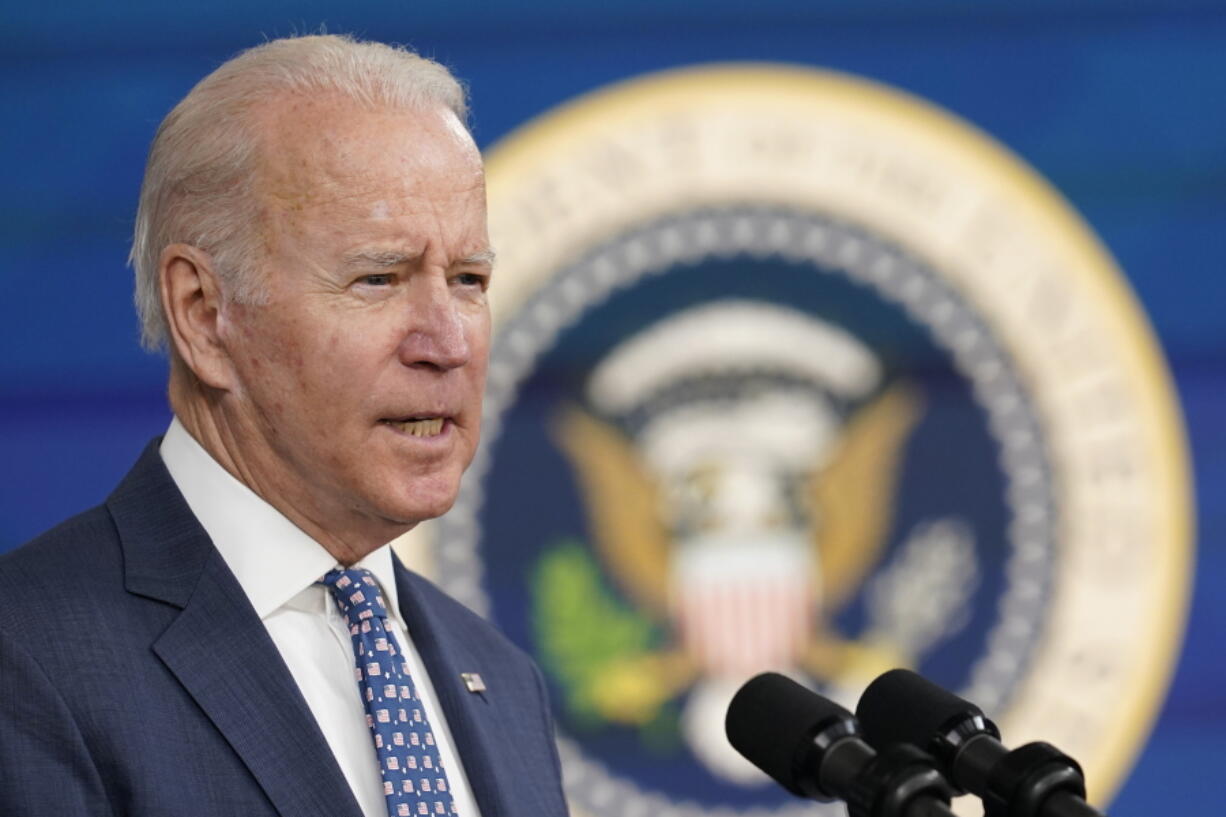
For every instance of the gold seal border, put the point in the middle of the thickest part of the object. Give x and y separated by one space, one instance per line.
521 154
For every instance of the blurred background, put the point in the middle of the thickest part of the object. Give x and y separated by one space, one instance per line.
1118 104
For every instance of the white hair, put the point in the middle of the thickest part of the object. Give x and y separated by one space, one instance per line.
198 180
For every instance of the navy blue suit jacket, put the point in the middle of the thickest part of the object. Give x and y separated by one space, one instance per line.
136 679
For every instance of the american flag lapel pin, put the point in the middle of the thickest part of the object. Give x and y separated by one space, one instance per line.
473 682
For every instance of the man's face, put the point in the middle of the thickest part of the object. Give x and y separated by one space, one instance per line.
360 378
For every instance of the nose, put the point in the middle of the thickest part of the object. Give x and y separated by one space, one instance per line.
435 333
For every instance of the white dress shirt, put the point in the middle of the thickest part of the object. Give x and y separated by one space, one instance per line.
278 566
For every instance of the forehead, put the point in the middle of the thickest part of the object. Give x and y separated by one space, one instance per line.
326 150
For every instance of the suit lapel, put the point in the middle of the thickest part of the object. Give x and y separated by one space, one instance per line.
220 651
486 753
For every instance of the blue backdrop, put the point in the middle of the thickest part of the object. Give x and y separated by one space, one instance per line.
1119 104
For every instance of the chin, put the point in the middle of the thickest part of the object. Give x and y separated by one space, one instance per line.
422 500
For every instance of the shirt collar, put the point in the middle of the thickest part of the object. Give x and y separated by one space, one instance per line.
272 558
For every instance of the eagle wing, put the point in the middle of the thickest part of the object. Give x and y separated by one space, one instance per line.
623 506
853 495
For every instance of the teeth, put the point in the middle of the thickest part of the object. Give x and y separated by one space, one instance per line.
420 428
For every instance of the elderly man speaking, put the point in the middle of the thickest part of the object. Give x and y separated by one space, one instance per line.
230 634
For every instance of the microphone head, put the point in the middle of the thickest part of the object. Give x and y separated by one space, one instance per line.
773 720
903 707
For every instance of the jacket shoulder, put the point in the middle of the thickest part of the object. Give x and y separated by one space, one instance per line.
56 567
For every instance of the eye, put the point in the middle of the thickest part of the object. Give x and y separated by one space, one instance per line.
378 279
472 279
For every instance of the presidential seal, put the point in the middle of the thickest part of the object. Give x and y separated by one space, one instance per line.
795 372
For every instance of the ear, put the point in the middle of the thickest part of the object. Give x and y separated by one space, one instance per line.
191 300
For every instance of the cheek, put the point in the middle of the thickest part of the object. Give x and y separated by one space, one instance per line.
478 330
298 347
271 356
337 374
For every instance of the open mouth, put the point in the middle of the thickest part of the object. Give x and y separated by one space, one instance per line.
419 426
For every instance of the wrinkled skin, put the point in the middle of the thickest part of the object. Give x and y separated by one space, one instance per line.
376 265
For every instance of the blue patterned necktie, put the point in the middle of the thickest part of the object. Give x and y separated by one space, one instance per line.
414 782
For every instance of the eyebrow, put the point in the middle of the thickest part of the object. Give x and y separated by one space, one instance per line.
483 257
377 258
393 258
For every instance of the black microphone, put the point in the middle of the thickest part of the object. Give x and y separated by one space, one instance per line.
812 747
1035 780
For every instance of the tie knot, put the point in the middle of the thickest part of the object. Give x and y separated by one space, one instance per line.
356 593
